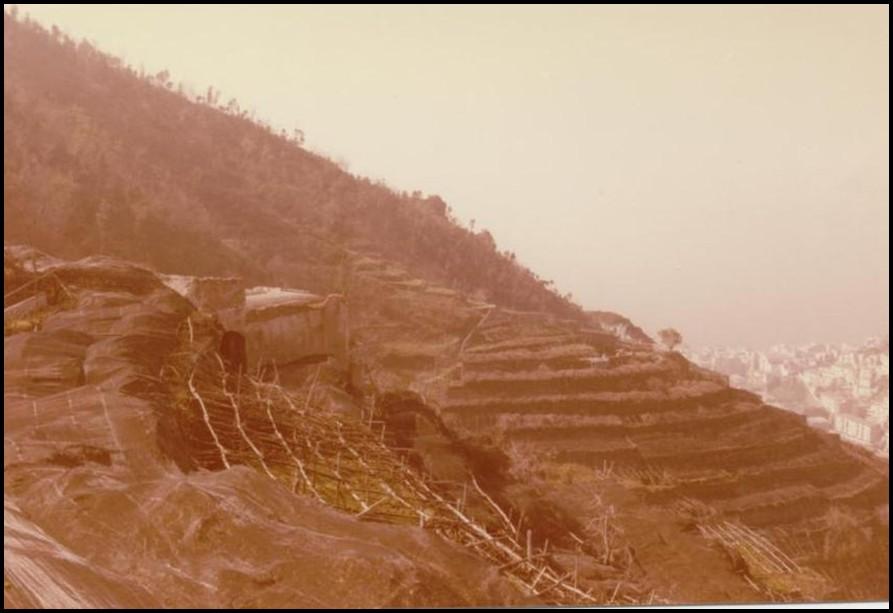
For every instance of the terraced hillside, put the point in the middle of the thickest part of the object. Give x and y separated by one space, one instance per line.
633 475
140 472
468 455
720 496
588 413
104 501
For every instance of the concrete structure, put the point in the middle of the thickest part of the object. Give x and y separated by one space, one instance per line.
209 293
279 326
282 326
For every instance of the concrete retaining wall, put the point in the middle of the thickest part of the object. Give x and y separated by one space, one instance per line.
293 334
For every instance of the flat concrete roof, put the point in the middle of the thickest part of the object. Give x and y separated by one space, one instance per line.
263 297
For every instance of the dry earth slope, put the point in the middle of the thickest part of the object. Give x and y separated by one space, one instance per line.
97 511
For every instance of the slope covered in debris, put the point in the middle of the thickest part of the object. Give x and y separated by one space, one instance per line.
105 506
486 442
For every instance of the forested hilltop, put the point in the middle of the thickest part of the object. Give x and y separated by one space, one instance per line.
101 158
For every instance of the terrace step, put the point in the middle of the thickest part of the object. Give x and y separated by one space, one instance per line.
867 489
523 343
561 357
624 378
597 454
600 403
787 505
713 423
816 469
731 457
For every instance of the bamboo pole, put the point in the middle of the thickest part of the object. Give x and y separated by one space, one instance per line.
208 422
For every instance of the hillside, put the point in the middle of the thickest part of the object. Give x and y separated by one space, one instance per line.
104 505
101 159
702 492
633 475
485 443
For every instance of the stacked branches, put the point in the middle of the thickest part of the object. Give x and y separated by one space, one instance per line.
230 419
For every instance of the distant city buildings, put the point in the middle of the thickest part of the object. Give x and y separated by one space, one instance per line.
838 388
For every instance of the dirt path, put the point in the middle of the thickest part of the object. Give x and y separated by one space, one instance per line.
474 329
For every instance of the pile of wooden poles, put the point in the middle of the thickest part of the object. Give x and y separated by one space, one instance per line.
344 463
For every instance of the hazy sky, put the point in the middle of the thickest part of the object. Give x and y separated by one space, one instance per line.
719 169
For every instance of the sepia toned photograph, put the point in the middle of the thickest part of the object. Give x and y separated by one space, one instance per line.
446 306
